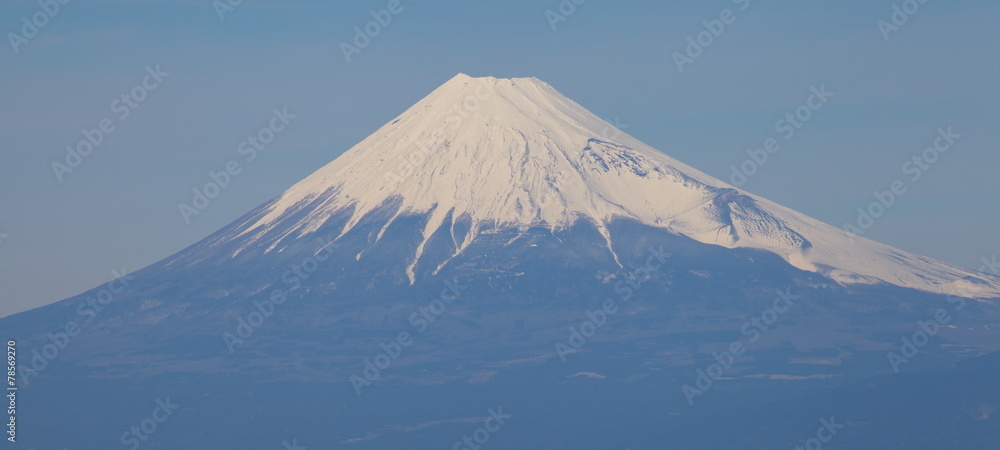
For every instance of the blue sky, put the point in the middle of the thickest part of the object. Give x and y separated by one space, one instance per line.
119 207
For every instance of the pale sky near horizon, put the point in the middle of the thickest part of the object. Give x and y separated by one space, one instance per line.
119 207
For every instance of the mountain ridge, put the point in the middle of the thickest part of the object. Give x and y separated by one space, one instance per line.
514 152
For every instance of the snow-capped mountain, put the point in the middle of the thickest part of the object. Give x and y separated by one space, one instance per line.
434 270
515 153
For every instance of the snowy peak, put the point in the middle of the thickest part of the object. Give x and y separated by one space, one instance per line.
510 151
516 153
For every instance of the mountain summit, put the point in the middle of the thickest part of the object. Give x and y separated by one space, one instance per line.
516 153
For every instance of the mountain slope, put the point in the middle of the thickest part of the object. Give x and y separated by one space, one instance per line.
517 153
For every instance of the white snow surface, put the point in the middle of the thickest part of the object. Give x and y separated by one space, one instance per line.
516 153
